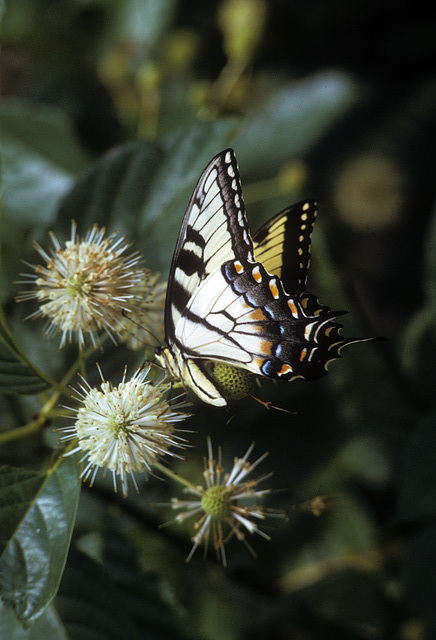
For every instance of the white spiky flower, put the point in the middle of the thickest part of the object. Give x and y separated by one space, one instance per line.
229 504
84 286
126 428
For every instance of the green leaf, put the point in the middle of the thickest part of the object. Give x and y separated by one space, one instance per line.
89 604
144 190
418 340
144 22
153 610
48 626
291 120
15 374
40 159
37 513
38 170
113 191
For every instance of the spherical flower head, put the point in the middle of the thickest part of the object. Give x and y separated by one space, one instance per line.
229 504
85 286
124 429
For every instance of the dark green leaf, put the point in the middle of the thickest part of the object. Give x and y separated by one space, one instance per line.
152 610
113 191
15 374
418 345
36 539
144 190
145 22
47 627
88 603
291 120
38 170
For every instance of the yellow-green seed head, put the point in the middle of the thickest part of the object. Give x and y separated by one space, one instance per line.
233 382
217 503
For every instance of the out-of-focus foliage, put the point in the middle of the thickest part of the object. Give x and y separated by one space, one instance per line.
109 113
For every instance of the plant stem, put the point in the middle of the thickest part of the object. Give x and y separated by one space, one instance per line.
34 425
174 476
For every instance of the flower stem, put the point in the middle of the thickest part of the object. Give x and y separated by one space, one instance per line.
34 425
174 476
82 363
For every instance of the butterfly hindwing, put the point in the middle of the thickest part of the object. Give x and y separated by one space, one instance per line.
254 324
282 245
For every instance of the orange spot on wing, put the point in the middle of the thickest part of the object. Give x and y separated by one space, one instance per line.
258 362
256 274
286 368
266 347
257 315
274 289
293 308
303 354
238 266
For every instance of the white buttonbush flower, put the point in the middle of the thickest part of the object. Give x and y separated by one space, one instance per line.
229 504
125 429
84 286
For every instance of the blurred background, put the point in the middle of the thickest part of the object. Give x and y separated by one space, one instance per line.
109 113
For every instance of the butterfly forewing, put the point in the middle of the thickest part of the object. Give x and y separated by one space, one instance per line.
213 231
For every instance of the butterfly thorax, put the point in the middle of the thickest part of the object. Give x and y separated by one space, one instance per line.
170 363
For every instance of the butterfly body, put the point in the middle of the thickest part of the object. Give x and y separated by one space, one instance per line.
241 301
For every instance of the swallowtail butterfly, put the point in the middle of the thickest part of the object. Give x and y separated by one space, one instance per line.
239 300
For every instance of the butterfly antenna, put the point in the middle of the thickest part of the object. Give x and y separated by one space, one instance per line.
125 314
